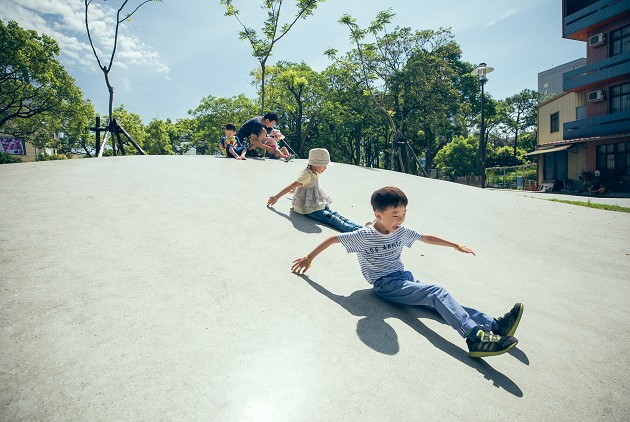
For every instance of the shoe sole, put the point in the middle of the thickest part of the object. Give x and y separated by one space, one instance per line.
518 319
498 352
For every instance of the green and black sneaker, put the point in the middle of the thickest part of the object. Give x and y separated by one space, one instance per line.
509 322
486 344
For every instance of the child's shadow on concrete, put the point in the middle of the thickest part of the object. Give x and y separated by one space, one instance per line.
377 334
301 223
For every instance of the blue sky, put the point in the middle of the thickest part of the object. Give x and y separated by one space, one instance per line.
176 52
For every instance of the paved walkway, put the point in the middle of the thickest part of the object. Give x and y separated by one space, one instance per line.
622 200
158 288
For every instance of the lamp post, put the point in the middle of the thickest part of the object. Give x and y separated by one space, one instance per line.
480 72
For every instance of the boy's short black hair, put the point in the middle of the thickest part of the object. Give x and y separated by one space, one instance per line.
271 117
230 126
388 197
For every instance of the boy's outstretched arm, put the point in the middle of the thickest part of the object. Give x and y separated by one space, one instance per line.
273 199
300 265
438 241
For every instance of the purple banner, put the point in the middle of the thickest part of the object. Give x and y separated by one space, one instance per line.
12 146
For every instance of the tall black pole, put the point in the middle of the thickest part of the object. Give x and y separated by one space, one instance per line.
482 139
97 129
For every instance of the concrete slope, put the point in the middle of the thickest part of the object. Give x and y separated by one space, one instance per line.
158 288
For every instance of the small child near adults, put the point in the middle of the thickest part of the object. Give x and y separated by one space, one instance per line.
310 199
230 144
279 152
379 246
597 187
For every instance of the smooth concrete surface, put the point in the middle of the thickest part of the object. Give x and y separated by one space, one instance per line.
158 289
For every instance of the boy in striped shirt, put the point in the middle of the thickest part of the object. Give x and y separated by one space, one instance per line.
378 248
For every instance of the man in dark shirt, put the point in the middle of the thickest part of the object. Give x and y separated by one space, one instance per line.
254 131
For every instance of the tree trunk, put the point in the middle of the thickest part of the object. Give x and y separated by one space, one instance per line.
263 69
428 135
111 127
298 124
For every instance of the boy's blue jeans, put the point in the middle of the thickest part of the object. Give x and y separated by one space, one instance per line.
332 218
401 287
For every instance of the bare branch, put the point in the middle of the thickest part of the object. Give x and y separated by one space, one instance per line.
87 27
134 10
298 16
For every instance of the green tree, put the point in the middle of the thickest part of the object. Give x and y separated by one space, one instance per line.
34 86
166 138
75 122
528 142
425 93
363 63
211 116
350 126
297 93
521 113
458 158
273 31
158 140
411 76
181 135
132 123
504 157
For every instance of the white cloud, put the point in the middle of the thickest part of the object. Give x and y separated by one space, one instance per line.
64 21
502 17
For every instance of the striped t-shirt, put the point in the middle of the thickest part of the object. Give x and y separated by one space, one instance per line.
378 253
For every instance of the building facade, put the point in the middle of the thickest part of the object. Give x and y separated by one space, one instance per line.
586 129
550 81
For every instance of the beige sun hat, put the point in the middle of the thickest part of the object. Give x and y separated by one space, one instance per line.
318 157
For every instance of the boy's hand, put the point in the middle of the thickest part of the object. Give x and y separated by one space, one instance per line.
465 249
272 200
300 265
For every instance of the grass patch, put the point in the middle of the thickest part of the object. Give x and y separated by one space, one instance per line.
590 204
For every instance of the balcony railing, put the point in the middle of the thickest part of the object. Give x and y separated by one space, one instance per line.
610 124
600 71
593 15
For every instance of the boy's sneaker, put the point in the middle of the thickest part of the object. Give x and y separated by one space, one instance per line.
509 322
289 157
486 344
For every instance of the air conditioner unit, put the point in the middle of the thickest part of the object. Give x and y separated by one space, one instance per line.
595 96
597 39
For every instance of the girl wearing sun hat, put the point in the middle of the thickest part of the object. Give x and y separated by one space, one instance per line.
310 199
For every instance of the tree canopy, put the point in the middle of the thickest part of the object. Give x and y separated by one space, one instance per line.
399 98
33 84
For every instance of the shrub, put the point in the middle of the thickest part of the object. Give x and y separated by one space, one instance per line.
8 158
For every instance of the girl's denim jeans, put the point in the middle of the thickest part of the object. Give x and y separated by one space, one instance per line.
333 219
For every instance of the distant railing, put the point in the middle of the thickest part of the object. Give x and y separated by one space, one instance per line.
593 14
600 71
521 177
609 124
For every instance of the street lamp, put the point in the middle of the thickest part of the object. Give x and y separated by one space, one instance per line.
480 72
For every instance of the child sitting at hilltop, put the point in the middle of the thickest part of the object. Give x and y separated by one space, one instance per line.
230 144
272 141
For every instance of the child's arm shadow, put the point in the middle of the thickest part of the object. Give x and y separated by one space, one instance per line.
301 223
372 330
